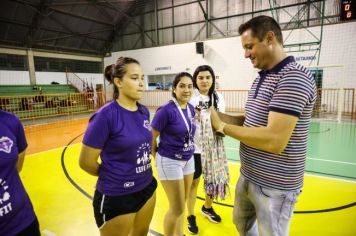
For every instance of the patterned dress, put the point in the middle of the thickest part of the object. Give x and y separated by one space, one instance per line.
214 162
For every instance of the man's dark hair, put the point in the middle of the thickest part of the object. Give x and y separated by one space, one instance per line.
260 25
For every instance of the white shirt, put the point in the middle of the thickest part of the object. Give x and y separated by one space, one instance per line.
202 101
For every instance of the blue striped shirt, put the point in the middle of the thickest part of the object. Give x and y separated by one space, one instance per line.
288 88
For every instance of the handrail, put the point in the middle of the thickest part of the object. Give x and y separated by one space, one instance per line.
75 80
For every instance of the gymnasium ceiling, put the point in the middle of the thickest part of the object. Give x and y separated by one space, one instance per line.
82 26
98 27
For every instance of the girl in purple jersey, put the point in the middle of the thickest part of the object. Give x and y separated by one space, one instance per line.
17 216
120 133
174 123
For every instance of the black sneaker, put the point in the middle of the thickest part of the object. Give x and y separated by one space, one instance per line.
192 224
211 214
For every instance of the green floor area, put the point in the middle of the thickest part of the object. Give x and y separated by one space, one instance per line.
331 149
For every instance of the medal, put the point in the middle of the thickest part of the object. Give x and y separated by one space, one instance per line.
189 129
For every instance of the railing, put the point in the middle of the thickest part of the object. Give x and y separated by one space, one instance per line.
155 98
50 105
75 80
235 100
335 102
331 103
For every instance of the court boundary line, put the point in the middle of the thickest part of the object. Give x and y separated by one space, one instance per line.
340 162
308 158
298 212
315 174
232 161
200 198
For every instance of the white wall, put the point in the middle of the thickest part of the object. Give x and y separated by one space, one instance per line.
338 49
60 77
22 77
8 77
220 54
48 77
227 58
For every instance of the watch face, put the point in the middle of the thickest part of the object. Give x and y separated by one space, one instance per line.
347 10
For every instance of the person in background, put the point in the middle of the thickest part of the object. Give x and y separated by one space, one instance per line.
17 216
174 124
204 97
120 133
273 138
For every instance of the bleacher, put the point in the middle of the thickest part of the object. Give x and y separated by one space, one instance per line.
16 90
39 101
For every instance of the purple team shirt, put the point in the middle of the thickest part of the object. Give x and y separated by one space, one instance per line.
16 211
175 141
125 140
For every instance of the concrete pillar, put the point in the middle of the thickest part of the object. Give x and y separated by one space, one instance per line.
31 66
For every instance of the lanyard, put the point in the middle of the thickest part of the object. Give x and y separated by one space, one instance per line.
183 116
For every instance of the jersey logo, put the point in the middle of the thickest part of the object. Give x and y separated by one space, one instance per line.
129 184
143 156
5 202
6 144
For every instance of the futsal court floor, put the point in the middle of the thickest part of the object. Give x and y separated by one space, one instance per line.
61 192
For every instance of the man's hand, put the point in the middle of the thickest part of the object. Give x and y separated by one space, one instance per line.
215 120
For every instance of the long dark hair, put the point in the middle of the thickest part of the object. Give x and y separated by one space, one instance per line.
118 70
177 79
212 93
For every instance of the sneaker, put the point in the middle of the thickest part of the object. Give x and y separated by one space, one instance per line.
192 224
211 214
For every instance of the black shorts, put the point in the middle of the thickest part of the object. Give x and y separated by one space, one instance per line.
112 206
32 230
198 168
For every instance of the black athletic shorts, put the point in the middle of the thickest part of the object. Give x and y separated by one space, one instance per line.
198 168
32 230
108 207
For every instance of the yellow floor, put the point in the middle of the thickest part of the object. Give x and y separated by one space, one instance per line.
63 210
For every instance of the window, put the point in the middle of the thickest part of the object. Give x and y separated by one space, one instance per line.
62 65
13 62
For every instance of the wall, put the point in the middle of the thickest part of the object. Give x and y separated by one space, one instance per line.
22 77
226 57
60 77
235 72
9 77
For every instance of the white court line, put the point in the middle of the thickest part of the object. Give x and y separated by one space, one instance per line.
310 158
231 162
48 233
331 178
340 162
313 175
